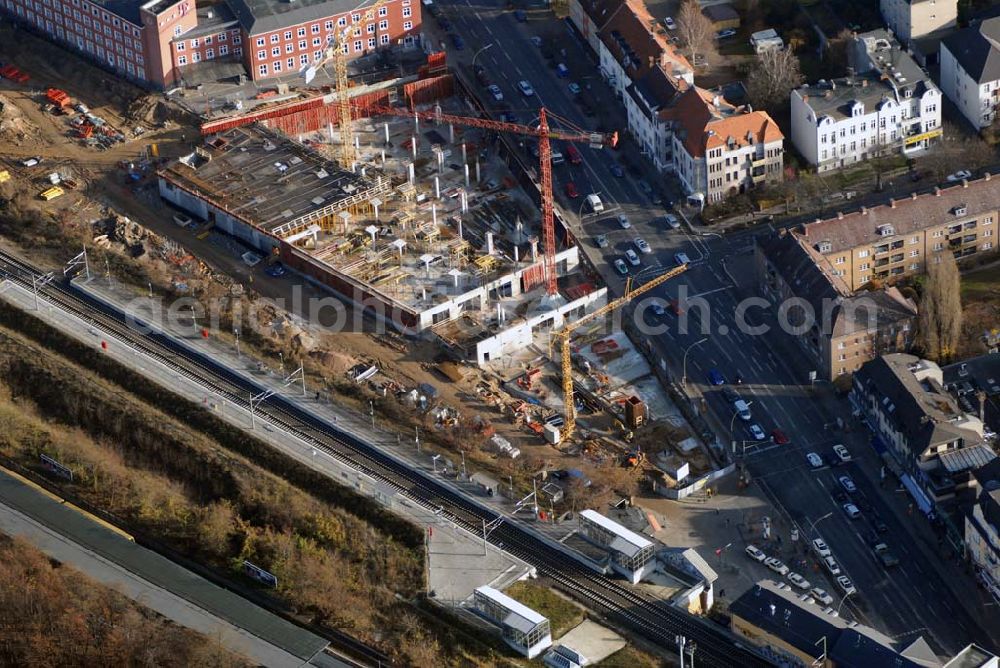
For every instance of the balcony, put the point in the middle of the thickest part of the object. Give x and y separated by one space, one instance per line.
884 248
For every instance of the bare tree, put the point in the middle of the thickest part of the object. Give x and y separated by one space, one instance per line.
771 78
941 308
695 30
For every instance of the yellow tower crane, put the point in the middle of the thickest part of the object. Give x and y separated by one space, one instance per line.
564 334
335 50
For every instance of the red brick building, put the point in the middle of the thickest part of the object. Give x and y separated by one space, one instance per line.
152 43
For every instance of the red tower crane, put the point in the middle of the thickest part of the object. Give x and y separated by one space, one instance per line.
544 134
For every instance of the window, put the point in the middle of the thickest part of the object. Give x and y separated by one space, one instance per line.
370 29
914 253
304 59
371 42
177 31
914 240
179 46
182 60
988 233
383 11
238 51
314 28
839 260
275 39
384 38
290 64
221 37
276 51
223 49
988 245
237 39
407 12
383 25
261 55
262 70
288 35
342 21
938 246
328 25
260 41
864 266
988 220
208 40
355 18
209 54
289 48
357 46
301 32
863 253
276 66
195 57
317 41
303 45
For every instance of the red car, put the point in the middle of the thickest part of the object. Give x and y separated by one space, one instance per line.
676 307
779 437
571 190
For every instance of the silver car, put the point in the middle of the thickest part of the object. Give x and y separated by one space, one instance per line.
642 246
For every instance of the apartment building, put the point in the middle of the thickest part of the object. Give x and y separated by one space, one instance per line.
721 150
970 71
912 19
935 443
889 105
895 239
982 529
649 115
838 331
153 43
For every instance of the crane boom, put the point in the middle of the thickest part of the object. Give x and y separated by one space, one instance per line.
564 334
544 134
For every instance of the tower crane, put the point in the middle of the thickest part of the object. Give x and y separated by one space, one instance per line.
563 337
544 133
335 50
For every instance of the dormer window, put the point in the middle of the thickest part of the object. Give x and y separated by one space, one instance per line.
824 247
886 231
961 210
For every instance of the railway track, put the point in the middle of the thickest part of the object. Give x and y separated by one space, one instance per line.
653 619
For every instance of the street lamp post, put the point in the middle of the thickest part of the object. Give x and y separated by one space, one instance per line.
479 52
812 525
371 412
842 601
236 333
684 375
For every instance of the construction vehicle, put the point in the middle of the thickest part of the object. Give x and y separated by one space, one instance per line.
336 51
563 337
544 134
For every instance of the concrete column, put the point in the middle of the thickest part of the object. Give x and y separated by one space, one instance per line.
466 174
386 132
517 253
534 250
416 123
437 188
451 133
478 176
489 243
329 128
411 173
434 213
383 157
414 138
464 157
465 202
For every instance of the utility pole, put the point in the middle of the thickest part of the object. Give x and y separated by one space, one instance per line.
681 641
236 333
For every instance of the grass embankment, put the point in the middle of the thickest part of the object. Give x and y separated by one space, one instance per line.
982 285
201 488
53 615
562 613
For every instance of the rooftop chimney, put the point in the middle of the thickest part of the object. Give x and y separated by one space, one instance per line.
965 183
986 176
892 203
840 215
864 211
937 191
913 195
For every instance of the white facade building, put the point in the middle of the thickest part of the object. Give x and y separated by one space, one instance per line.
912 19
970 71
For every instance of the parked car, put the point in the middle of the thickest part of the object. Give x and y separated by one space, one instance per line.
670 23
776 565
755 553
846 585
806 598
620 267
725 34
31 162
742 409
632 257
842 453
779 437
496 92
798 581
831 565
814 460
830 611
643 247
681 258
852 511
601 240
457 41
715 377
959 175
525 87
623 221
821 548
571 190
574 88
847 484
276 270
672 221
821 595
658 309
757 432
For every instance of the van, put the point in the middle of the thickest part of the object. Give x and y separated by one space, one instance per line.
557 158
595 203
574 154
742 409
562 71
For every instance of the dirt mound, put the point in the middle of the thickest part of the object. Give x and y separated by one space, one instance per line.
15 127
151 110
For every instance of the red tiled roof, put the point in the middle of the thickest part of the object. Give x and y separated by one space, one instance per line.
709 122
632 21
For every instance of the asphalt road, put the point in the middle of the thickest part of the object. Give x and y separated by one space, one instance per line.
903 602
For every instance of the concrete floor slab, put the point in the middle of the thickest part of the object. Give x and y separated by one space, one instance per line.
593 641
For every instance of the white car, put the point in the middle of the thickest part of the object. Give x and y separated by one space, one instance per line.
806 598
632 258
681 258
842 453
525 86
623 221
755 553
670 23
672 221
621 267
814 460
846 585
959 175
757 433
830 611
642 245
848 484
821 596
799 581
776 565
831 565
821 548
852 511
496 92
